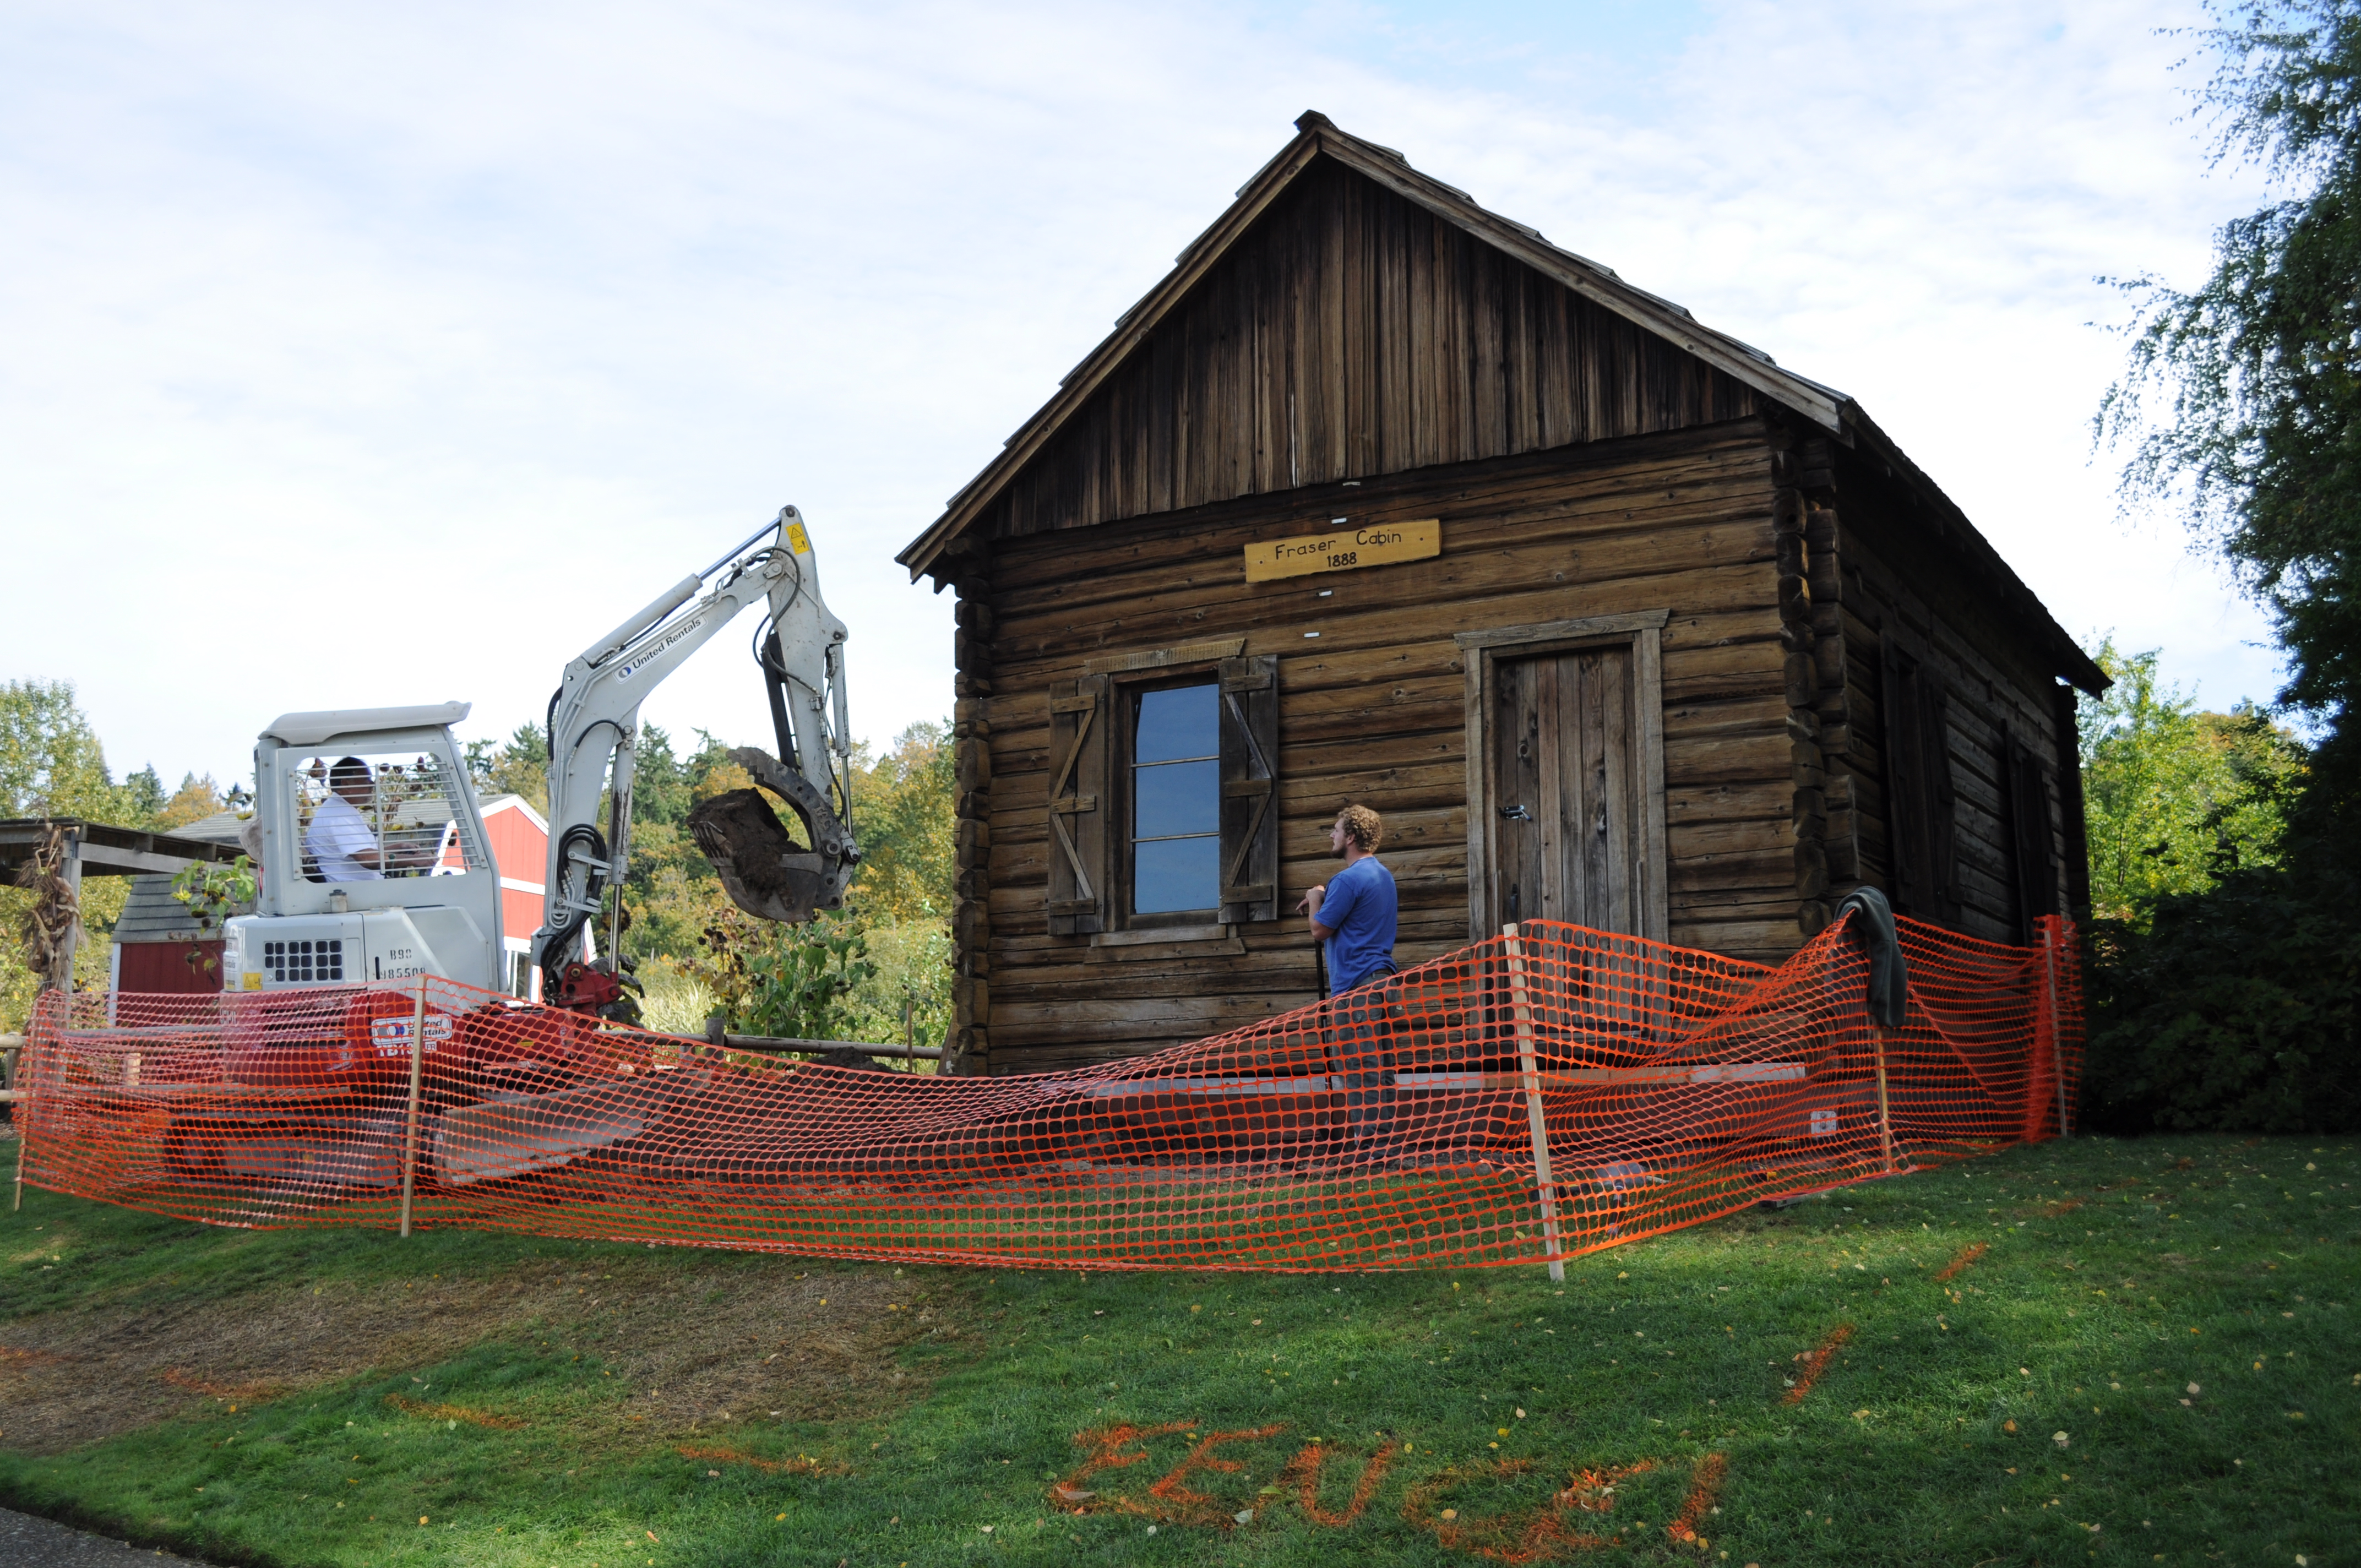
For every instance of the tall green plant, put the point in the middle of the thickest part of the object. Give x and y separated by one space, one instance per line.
798 981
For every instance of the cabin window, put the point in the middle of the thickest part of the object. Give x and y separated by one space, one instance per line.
1163 794
1176 800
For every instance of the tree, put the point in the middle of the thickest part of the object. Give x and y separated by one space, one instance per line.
50 762
196 799
907 826
144 795
2176 797
2241 399
519 767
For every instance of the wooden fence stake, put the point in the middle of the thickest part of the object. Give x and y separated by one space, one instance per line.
2049 979
410 1124
1522 1012
1884 1114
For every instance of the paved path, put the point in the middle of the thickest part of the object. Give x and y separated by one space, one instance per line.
29 1542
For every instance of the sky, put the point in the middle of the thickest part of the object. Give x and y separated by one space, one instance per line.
358 356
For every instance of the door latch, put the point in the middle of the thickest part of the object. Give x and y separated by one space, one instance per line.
1515 813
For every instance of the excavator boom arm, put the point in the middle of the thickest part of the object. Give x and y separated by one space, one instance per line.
594 728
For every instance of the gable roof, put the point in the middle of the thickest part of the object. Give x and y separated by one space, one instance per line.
1317 136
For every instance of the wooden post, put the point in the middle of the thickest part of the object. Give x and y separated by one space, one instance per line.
2049 979
410 1124
1885 1116
17 1113
1522 1014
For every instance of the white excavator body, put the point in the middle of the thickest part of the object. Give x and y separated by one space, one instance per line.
374 864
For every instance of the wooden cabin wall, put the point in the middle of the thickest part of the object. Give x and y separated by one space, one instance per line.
1351 332
1373 710
1893 577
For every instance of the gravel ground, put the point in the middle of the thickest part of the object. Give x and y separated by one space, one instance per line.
29 1542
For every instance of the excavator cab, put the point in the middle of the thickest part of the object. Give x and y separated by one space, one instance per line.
374 861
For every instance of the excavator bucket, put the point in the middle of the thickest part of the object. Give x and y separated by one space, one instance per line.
766 873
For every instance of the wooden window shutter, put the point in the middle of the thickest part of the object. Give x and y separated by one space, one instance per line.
1250 789
1080 726
2028 809
1905 817
1922 842
1942 796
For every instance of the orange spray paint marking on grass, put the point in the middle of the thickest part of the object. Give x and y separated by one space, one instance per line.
1815 1363
1304 1472
455 1413
1106 1445
1967 1255
1593 1491
1538 1535
1177 1503
1703 1487
12 1357
801 1464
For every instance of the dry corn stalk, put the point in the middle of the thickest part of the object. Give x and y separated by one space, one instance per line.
51 926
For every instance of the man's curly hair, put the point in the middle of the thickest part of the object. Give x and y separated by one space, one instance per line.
1363 826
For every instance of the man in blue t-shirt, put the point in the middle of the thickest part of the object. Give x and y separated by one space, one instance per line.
1353 913
1352 917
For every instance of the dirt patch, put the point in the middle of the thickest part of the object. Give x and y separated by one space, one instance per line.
692 1348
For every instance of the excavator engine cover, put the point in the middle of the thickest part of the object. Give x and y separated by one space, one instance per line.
767 873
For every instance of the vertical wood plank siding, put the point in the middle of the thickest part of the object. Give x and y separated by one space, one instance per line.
1351 334
1372 709
1997 682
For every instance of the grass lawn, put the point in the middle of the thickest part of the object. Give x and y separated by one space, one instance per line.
2142 1351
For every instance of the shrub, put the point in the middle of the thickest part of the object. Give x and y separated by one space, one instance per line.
2235 1007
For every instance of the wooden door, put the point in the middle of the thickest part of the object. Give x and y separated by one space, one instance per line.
1566 810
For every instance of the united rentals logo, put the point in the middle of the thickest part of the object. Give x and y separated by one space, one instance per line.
641 660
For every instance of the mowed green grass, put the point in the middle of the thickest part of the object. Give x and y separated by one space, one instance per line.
2155 1360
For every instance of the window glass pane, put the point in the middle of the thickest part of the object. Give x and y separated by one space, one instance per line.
1178 797
1176 873
1175 723
365 818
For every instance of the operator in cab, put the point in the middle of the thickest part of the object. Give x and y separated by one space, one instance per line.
340 841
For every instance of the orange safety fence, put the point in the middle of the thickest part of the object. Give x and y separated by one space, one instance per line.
1525 1099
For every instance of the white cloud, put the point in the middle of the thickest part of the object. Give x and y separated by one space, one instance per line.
389 356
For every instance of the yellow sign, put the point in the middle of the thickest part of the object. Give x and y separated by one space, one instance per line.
797 539
1344 547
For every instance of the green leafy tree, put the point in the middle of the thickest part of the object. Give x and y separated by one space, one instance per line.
51 764
521 767
904 819
144 797
2174 796
660 784
2230 1001
2242 400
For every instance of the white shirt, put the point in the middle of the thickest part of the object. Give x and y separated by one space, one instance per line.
340 842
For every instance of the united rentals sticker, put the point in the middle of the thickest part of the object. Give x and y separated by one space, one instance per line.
1344 547
390 1036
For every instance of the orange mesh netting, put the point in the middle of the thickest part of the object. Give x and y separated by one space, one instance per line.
1534 1095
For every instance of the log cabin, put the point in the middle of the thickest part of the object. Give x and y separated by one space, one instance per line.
1379 497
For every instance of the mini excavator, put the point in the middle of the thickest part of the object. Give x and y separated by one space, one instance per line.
414 889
